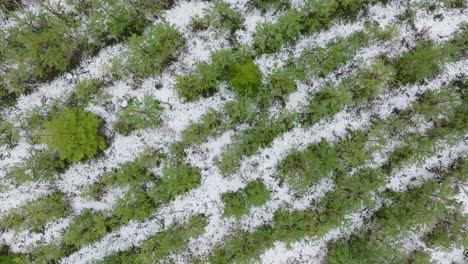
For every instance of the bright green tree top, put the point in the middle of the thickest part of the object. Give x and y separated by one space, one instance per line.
74 134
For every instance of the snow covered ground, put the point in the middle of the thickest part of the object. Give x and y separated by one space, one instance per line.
207 197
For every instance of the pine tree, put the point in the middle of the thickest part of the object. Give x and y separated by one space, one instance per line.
73 133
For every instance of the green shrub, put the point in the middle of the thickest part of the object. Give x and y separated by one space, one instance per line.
41 46
454 3
352 192
326 102
178 179
243 246
137 171
267 38
292 226
260 135
109 21
420 257
73 133
321 61
84 229
264 5
280 84
246 78
13 258
203 81
448 232
418 64
415 209
234 204
359 249
34 214
352 148
85 90
172 240
319 14
256 193
133 173
135 205
243 110
370 81
148 54
223 60
290 25
8 134
209 125
42 165
238 203
138 115
220 16
301 169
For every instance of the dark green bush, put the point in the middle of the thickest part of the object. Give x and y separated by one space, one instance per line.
73 133
418 64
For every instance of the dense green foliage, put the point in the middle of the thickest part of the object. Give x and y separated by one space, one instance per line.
245 78
418 64
73 133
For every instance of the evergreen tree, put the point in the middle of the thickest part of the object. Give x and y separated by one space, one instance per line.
73 133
